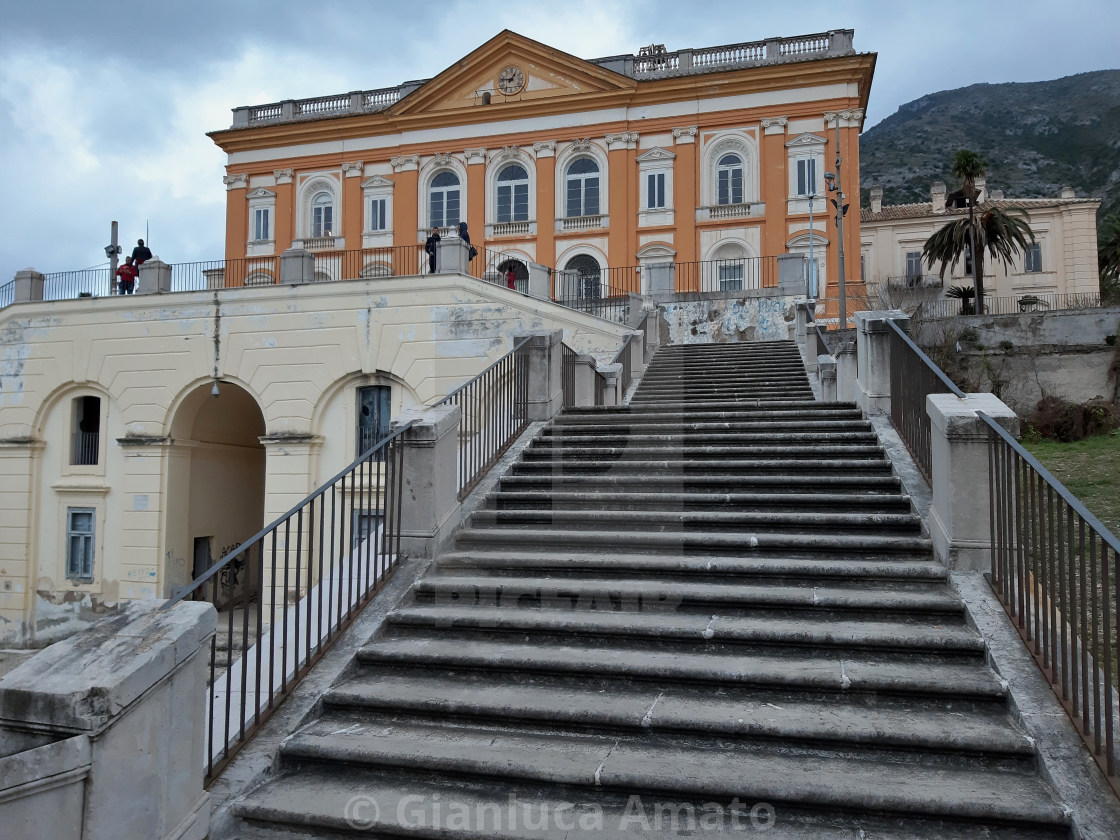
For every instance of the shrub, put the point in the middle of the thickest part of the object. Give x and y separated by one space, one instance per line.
1006 346
1056 419
970 335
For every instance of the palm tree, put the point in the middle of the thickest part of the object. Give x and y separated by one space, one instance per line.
1108 259
1001 233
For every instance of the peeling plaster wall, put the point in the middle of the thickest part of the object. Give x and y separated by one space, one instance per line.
290 348
691 319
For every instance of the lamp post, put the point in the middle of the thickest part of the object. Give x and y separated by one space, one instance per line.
812 262
834 185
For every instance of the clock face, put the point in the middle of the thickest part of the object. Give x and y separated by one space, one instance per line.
511 80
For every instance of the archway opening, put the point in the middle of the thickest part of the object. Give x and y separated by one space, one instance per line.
520 280
215 489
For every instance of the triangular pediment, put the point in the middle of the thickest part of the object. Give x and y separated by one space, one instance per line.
656 153
537 71
806 139
261 192
376 181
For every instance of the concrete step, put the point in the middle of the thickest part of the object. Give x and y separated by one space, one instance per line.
871 481
633 764
320 804
929 724
537 590
711 469
657 624
861 571
701 450
676 500
708 521
705 542
963 678
610 435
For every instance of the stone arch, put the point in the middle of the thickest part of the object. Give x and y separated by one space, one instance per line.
739 142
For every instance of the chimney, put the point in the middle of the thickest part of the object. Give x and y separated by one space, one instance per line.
937 197
876 199
982 190
996 195
1067 192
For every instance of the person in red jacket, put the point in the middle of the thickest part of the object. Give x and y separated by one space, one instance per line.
511 278
126 277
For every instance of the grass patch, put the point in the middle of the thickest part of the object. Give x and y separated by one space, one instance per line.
1090 470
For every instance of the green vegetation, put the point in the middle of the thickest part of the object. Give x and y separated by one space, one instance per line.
1108 259
1090 469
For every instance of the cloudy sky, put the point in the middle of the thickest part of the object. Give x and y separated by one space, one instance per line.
105 104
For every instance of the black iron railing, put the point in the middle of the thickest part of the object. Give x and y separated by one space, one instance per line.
822 341
568 374
914 377
623 358
286 593
7 294
605 293
746 274
1010 305
69 285
494 408
86 445
1056 570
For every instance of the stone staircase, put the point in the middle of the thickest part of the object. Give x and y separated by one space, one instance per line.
693 616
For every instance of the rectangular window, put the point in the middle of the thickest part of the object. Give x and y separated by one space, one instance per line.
807 176
655 190
374 407
1032 260
730 276
377 218
79 544
513 203
322 221
730 186
913 267
260 225
364 523
87 431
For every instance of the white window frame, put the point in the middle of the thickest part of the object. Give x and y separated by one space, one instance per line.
799 152
1032 259
312 185
564 159
377 189
730 164
429 171
322 214
261 200
494 168
74 573
656 163
583 178
717 145
511 187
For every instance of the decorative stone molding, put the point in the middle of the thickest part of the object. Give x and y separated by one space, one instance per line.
475 155
354 169
774 125
261 192
546 148
405 163
581 145
507 152
656 153
625 140
685 135
376 181
806 139
236 182
849 118
283 176
442 159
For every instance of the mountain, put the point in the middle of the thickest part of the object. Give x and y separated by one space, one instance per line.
1036 136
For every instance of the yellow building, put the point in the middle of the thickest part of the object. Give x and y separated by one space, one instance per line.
696 156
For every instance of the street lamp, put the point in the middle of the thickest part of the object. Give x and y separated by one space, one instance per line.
832 180
812 262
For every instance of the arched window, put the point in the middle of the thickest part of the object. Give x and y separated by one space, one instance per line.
729 180
443 200
322 214
586 269
513 194
582 188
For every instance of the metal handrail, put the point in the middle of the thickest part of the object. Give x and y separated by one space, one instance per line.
1045 571
940 374
313 570
467 384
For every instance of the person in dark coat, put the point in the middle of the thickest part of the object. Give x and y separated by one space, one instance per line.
140 254
472 252
430 245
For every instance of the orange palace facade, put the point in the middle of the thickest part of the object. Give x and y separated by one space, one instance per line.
702 156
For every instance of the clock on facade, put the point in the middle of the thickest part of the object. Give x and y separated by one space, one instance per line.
511 80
